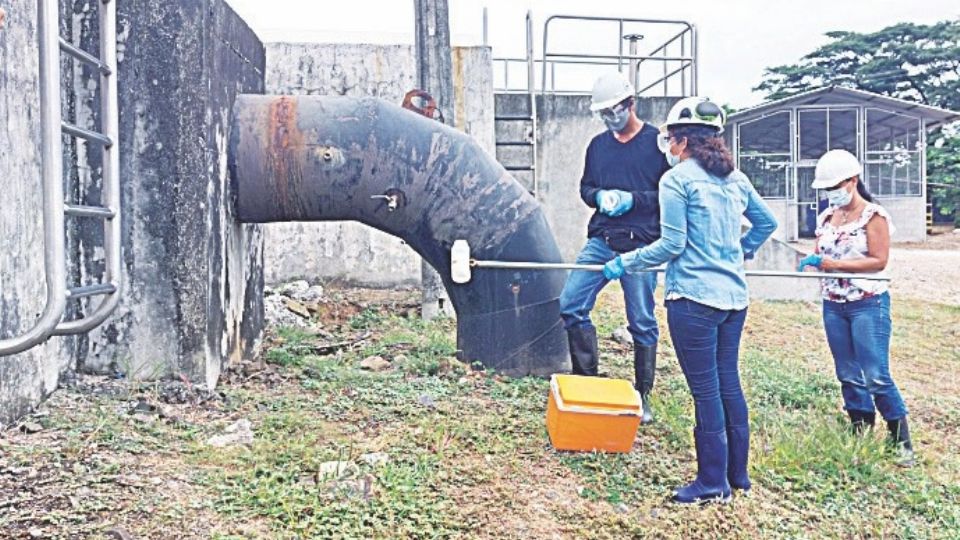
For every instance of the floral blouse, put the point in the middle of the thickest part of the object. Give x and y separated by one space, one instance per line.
844 242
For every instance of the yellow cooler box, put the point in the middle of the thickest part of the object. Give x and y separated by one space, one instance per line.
592 413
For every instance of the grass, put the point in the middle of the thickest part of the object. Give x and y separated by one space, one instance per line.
468 455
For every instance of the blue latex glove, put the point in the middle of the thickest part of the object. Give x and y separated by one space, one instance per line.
607 200
748 255
813 260
614 268
624 204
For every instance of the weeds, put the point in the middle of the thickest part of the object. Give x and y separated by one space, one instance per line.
464 453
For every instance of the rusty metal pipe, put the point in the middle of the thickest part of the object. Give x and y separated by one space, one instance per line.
313 158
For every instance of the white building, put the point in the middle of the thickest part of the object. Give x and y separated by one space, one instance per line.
777 145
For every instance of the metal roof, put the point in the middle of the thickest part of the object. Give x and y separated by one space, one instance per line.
838 95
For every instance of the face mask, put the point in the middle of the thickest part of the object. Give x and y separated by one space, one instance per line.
663 142
839 197
672 160
616 121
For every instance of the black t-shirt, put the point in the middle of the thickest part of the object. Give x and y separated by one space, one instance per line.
635 166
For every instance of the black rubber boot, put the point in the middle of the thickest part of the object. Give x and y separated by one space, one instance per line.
644 371
899 439
711 484
860 421
738 452
583 350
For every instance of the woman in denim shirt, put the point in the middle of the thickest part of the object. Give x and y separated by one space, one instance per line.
702 201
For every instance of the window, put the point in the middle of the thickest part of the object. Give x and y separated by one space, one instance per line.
842 132
892 164
764 153
813 133
827 129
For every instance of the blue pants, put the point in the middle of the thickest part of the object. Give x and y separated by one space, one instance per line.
580 294
859 337
707 344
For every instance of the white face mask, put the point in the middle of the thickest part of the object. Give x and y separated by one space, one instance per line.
839 197
672 160
663 142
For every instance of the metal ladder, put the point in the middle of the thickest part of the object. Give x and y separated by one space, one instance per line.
529 119
55 209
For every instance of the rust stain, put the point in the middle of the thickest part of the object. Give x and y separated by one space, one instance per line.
285 152
459 90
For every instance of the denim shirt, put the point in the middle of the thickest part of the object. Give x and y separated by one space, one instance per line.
701 235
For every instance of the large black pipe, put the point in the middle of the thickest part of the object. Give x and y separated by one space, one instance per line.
312 158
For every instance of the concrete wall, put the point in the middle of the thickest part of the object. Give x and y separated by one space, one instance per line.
786 215
565 127
778 255
346 251
193 278
909 216
28 377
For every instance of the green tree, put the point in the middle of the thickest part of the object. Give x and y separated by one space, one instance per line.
908 61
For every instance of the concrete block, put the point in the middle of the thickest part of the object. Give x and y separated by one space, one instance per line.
193 293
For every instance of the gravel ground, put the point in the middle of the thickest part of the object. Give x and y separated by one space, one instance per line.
924 270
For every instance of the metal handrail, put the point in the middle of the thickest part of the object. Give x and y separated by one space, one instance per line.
55 209
669 41
662 79
110 179
532 93
561 57
689 62
54 253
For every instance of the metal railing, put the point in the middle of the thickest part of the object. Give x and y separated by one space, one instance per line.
677 55
686 38
55 209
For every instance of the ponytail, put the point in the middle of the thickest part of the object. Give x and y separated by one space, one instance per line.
863 191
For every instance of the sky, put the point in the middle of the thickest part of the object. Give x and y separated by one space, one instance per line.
738 38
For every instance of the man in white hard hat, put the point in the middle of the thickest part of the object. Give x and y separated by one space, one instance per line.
620 178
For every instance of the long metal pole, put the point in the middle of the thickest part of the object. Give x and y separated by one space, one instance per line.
532 97
435 75
694 52
486 27
599 268
54 251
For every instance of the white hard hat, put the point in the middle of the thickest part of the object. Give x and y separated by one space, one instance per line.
610 89
834 167
696 111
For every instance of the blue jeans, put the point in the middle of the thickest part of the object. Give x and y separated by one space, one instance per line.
859 337
580 294
707 343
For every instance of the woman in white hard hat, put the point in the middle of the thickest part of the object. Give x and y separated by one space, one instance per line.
702 200
853 235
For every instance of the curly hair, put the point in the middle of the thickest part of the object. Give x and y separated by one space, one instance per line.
707 147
